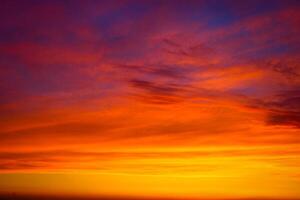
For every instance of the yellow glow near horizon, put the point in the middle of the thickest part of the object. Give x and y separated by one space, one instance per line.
162 98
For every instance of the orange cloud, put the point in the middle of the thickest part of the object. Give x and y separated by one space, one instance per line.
105 99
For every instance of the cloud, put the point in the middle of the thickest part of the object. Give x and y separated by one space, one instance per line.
286 110
108 87
159 93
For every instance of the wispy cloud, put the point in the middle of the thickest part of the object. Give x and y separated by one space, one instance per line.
160 88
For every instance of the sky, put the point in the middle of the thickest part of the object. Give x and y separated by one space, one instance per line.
152 98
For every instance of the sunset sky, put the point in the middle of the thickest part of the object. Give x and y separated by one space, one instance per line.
149 98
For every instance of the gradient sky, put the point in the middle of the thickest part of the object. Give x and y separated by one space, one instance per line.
150 98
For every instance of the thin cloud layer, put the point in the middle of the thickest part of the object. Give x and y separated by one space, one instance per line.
154 88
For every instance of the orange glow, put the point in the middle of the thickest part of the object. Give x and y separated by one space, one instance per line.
103 99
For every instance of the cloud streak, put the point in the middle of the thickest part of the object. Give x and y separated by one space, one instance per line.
209 90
